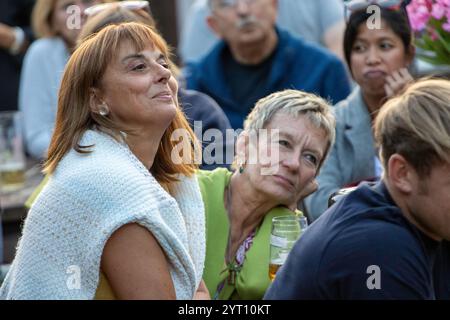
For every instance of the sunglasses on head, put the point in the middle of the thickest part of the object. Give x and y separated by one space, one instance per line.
356 5
130 5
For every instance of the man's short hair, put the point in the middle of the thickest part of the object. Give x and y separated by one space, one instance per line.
416 125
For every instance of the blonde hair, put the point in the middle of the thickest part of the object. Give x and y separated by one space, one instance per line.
416 125
84 71
41 18
295 103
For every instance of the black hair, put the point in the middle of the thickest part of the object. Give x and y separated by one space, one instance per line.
397 20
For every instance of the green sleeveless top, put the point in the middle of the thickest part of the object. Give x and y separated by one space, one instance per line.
252 281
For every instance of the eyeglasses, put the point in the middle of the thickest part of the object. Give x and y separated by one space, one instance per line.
356 5
229 3
130 5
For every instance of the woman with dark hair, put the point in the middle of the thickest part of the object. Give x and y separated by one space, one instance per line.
378 59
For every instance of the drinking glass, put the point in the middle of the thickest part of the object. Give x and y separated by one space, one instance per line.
286 230
12 156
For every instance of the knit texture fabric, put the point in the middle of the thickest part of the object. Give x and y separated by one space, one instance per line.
87 198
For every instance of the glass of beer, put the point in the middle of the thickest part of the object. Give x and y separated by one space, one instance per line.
12 156
285 232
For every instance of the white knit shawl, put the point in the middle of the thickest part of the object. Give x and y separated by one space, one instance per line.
88 197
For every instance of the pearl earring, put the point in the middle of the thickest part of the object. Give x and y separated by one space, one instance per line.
103 109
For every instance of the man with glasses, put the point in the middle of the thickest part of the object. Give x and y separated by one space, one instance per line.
255 58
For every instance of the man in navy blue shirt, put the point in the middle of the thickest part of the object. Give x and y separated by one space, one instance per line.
384 241
255 59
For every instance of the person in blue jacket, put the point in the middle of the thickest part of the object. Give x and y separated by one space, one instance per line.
256 58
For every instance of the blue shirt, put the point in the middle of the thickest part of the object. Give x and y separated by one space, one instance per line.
296 64
361 248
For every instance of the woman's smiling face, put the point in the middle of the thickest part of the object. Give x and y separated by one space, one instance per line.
139 89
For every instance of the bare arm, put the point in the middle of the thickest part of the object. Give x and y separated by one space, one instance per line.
135 265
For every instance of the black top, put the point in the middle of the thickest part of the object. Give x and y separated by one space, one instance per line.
200 108
14 13
247 82
363 248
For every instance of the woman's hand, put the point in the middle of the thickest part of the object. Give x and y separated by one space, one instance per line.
396 81
202 292
7 36
310 188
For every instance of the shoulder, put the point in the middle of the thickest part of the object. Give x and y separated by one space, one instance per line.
201 107
198 100
367 227
214 178
45 46
46 53
307 49
212 185
347 108
376 247
110 166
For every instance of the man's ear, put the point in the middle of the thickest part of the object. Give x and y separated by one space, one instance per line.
401 174
212 23
94 100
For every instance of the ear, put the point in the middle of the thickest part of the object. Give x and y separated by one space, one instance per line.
242 147
401 174
213 24
95 99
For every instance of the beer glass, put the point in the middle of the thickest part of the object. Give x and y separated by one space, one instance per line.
12 156
285 232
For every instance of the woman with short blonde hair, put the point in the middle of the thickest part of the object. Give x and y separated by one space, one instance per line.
286 138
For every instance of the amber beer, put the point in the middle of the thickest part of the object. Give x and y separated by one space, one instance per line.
273 269
285 232
12 176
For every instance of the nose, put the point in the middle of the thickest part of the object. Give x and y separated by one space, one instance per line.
292 163
373 56
242 7
162 74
